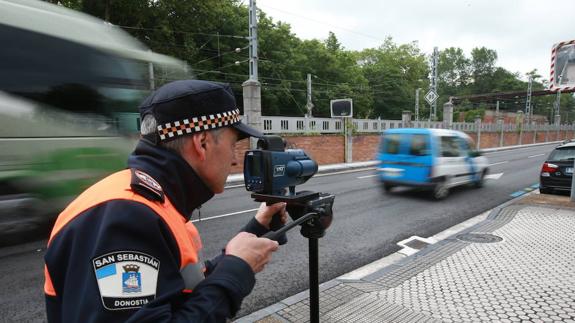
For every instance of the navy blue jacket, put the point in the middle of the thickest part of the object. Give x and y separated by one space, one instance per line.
124 225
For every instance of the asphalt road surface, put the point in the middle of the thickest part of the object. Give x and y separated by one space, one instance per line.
367 225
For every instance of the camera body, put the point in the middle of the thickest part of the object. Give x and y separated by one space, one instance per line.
270 169
271 172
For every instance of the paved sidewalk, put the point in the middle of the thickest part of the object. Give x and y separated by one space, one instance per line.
517 265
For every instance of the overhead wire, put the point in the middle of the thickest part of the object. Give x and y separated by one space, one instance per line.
185 32
323 23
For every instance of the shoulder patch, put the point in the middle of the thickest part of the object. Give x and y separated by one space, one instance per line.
126 279
146 185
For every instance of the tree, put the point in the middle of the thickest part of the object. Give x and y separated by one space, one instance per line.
482 68
454 71
211 35
394 72
332 44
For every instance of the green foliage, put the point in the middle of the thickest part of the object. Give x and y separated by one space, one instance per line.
393 72
211 35
471 115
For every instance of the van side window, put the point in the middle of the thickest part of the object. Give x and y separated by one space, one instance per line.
418 146
391 144
465 145
450 147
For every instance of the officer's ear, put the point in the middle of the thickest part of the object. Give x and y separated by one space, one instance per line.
197 145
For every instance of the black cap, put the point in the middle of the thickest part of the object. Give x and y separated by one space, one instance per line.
190 106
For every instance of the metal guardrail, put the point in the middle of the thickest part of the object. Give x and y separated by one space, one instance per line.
302 125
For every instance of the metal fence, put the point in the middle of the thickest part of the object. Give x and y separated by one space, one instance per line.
302 125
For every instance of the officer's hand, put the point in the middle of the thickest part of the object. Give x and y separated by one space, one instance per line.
257 252
265 213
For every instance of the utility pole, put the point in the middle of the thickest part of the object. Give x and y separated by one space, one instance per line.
497 110
417 104
433 83
252 87
253 33
557 120
309 104
528 112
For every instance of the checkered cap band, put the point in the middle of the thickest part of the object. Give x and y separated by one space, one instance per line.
197 124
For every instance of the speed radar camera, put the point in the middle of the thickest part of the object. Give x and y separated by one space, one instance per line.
563 66
341 108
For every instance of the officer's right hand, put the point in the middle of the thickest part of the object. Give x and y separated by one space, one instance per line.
257 252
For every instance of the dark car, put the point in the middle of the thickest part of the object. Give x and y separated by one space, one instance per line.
557 171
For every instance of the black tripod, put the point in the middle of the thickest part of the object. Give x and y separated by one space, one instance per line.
313 211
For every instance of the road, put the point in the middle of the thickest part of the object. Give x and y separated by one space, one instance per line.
367 225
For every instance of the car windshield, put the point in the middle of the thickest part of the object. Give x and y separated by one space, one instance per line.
563 154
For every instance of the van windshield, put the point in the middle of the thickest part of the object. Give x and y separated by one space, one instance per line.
391 144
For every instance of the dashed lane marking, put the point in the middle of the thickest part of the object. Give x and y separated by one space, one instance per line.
367 176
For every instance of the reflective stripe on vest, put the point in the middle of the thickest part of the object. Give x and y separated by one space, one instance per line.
117 187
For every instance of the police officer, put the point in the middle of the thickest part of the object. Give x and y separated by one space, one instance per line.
125 248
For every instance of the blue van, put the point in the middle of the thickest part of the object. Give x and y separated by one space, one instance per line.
436 159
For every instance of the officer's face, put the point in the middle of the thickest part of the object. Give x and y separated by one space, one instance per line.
220 157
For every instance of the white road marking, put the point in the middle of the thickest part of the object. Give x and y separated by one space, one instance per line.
536 155
345 172
223 215
493 176
395 257
234 186
367 176
499 163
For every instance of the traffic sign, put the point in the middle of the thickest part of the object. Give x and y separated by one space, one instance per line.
431 96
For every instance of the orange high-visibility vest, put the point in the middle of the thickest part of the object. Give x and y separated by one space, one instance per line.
117 187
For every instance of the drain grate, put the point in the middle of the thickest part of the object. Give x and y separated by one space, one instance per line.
417 244
479 237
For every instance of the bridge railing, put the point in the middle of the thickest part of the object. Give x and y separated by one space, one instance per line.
303 125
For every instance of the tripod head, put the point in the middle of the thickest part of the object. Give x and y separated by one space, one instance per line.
312 210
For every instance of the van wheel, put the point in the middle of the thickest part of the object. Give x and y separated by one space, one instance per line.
440 191
387 187
479 183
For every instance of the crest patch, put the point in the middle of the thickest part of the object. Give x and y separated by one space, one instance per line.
148 180
126 279
146 185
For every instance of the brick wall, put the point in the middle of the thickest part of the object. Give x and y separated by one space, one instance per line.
365 147
324 149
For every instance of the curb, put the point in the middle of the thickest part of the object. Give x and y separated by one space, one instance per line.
519 146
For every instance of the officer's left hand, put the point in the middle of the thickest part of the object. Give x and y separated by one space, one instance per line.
265 213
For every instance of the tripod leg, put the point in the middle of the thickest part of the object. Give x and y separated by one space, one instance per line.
313 280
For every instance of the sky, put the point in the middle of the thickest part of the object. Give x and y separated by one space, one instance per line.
522 32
